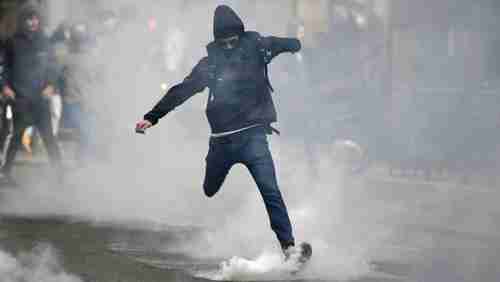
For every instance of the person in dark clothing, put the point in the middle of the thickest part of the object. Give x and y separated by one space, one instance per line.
29 82
5 108
2 64
79 77
240 111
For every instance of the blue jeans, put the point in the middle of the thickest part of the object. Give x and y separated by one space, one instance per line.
251 149
84 123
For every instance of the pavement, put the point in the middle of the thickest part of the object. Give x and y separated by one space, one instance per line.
453 236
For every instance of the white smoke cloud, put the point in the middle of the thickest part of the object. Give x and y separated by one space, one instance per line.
326 210
41 264
267 267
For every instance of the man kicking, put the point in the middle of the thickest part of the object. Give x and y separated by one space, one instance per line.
240 110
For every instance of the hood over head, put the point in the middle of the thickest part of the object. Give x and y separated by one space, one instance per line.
27 12
227 23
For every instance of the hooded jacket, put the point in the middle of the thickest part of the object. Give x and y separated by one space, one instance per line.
227 23
239 95
29 61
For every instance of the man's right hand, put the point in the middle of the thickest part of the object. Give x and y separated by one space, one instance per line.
142 125
8 93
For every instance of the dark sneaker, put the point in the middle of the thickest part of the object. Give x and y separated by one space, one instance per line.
305 252
302 253
298 255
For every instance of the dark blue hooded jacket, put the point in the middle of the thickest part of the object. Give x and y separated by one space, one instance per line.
29 61
240 93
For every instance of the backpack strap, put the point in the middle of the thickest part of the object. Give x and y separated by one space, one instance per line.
266 55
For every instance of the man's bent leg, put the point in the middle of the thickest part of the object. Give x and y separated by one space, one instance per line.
260 163
217 168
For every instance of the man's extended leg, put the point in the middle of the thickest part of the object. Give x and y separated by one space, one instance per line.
258 159
218 165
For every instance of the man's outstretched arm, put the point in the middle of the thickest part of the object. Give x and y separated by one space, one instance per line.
277 45
178 94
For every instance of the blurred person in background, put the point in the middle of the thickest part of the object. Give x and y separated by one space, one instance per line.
29 86
295 79
5 106
110 57
240 110
107 23
80 77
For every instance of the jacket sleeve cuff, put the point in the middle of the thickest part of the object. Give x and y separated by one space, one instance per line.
296 45
151 118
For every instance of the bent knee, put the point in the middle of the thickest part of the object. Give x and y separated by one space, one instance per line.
209 194
209 191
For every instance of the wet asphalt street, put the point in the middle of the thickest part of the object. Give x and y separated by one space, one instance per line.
108 252
454 237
